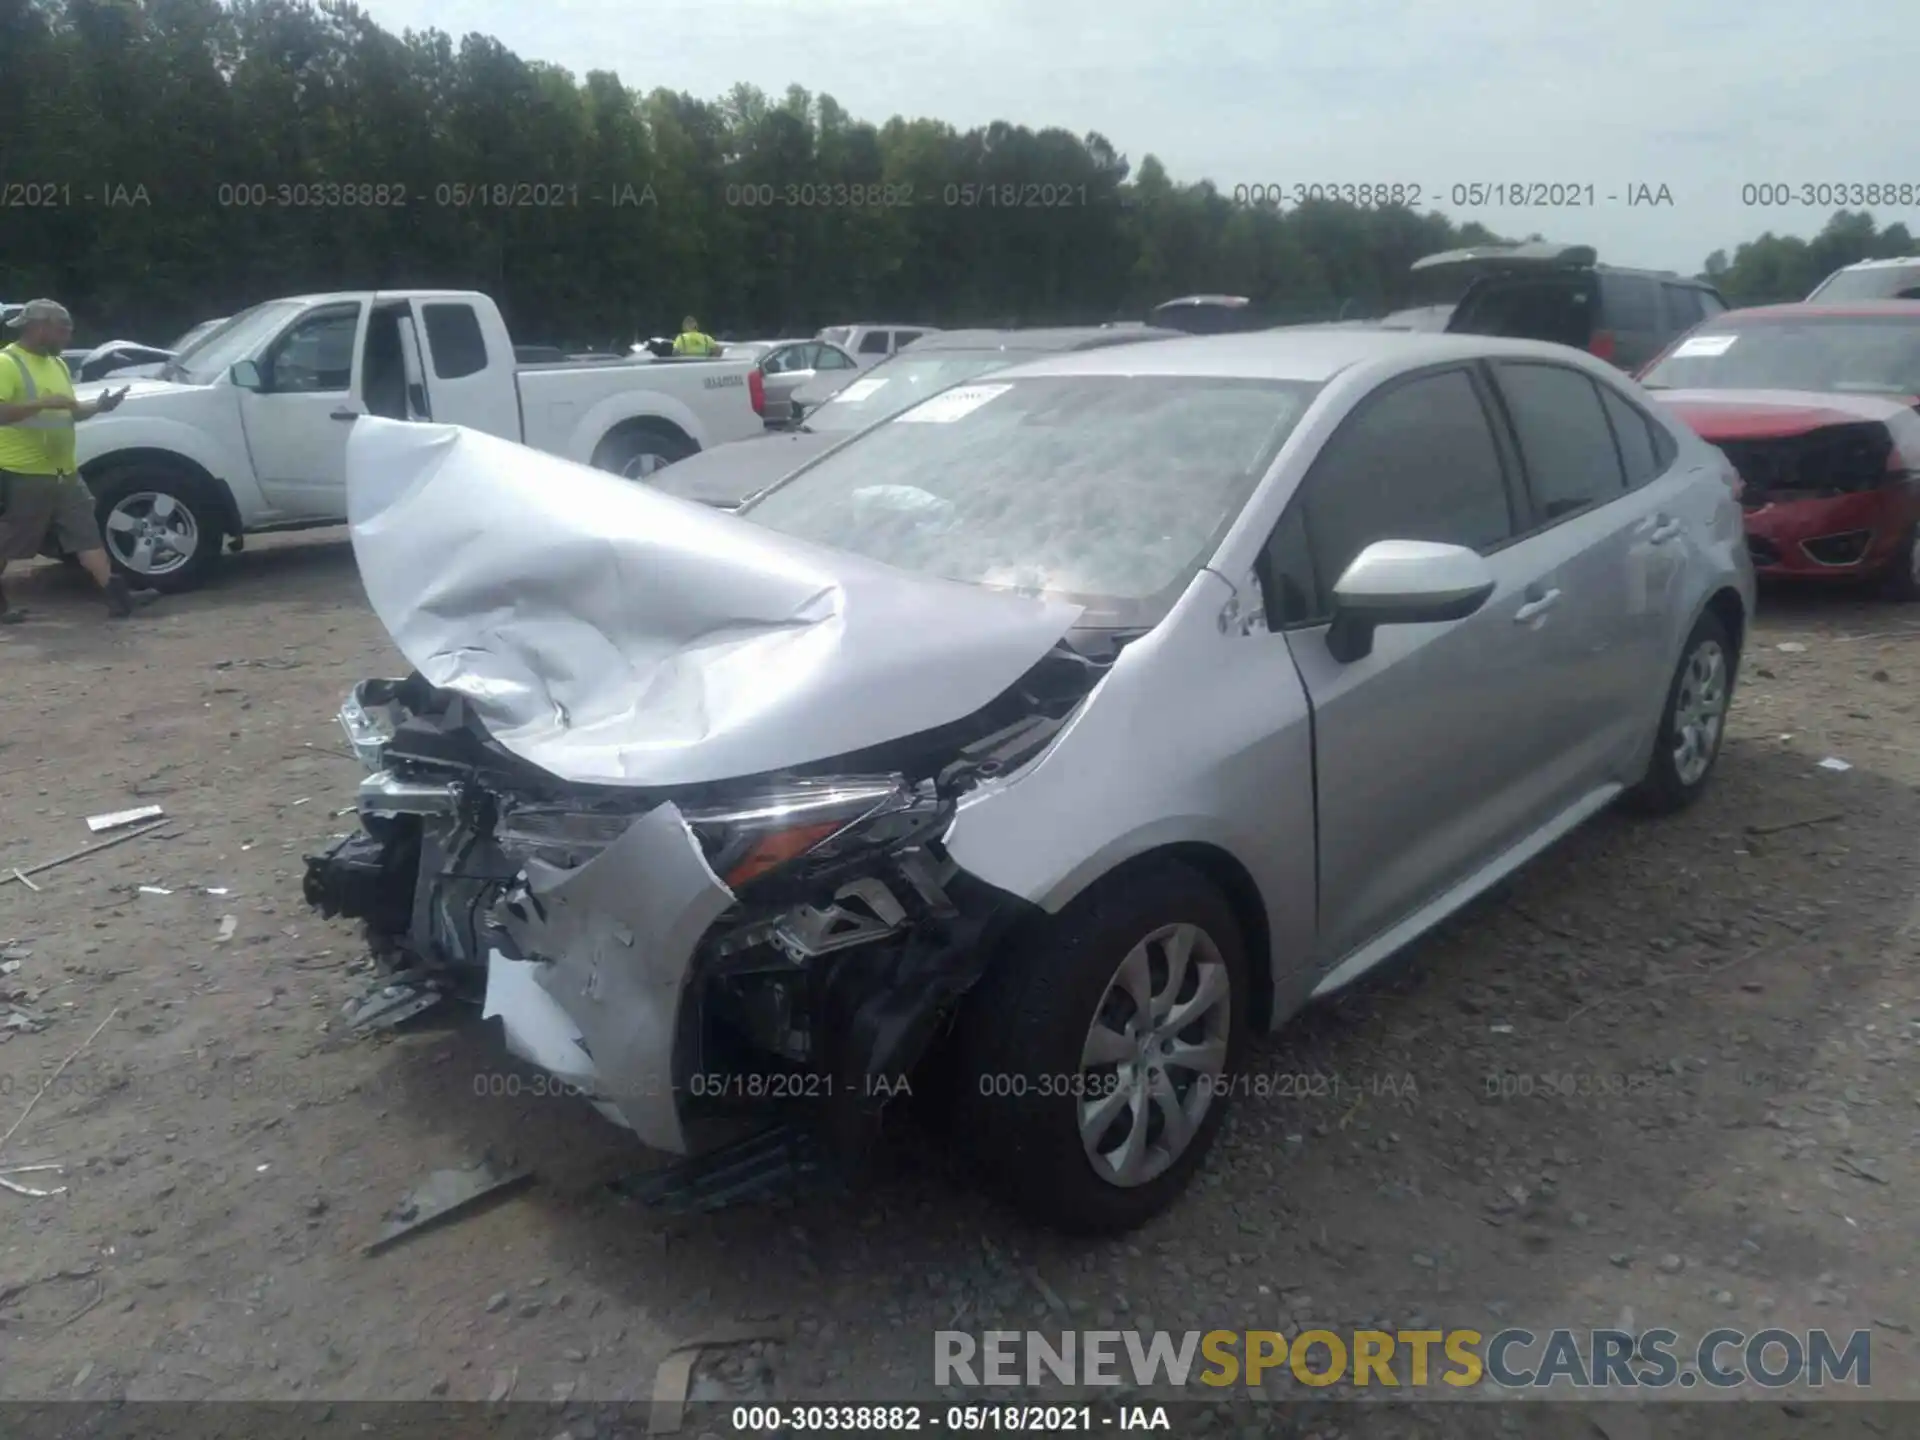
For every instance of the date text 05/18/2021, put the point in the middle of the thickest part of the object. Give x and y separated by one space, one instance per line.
963 1419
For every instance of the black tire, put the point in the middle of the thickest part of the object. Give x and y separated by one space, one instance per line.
178 491
642 450
1664 790
1900 582
1023 1029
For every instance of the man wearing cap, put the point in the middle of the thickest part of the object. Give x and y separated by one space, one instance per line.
694 341
39 487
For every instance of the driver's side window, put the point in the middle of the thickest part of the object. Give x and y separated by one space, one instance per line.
1416 461
315 356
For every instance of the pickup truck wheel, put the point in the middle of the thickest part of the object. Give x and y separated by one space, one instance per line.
640 452
161 527
1097 1058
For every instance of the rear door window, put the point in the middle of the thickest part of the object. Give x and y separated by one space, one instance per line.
1684 310
904 338
1632 303
1566 443
1558 310
1633 432
874 342
454 340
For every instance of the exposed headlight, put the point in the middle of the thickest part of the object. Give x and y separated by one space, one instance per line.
823 819
369 726
747 838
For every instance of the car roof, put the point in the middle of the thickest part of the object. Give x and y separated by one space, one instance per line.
1041 338
878 325
1233 301
1893 264
1303 354
1801 309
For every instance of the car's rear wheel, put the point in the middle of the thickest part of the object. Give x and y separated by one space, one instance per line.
1693 723
639 452
1901 581
1096 1058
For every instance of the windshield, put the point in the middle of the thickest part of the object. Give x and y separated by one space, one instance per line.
194 336
1110 491
1874 355
893 385
238 339
1884 283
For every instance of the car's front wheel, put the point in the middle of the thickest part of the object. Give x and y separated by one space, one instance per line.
161 525
1901 579
1694 722
1097 1056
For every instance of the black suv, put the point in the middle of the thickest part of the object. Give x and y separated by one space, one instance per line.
1542 291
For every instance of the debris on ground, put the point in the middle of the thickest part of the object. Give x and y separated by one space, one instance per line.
675 1375
1834 763
58 1072
155 890
774 1161
228 924
446 1195
21 875
393 1001
7 1182
114 819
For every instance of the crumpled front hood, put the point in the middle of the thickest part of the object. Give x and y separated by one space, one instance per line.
728 474
611 634
1717 415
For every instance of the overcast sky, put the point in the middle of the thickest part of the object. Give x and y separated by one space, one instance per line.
1702 96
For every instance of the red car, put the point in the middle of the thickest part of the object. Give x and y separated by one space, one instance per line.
1816 406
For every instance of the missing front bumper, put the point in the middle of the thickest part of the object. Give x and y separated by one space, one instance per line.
641 982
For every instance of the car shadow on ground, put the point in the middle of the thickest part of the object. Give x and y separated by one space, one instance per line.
1549 1050
298 565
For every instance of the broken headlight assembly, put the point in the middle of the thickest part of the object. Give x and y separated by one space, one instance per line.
764 832
370 716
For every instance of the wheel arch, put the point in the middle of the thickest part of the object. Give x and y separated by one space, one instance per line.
1236 885
228 509
1726 606
642 425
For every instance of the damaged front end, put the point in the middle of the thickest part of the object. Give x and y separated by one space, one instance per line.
697 956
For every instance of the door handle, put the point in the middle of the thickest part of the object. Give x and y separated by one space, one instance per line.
345 414
1535 608
1667 529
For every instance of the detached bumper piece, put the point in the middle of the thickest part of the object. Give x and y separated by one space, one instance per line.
361 878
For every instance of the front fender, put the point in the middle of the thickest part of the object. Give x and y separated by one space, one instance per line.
106 437
600 420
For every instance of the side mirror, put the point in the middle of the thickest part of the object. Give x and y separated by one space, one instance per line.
1404 582
246 375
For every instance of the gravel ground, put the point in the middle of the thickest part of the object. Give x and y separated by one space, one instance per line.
1707 1027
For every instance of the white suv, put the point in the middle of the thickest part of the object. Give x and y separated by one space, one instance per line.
1897 279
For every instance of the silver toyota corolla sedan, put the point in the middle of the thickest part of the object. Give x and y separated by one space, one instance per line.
1046 740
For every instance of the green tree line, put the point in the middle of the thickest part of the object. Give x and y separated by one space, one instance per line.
171 160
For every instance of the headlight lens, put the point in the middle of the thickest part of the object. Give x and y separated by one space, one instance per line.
743 839
759 834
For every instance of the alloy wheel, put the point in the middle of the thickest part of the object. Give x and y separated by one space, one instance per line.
151 533
1153 1057
1699 711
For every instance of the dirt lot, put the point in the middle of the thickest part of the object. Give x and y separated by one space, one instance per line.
1707 1036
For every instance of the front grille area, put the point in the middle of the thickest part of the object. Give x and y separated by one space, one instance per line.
1833 460
1845 548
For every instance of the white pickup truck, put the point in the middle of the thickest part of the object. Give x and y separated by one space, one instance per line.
246 432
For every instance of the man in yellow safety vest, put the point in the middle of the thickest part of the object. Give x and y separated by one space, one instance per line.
693 341
40 491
